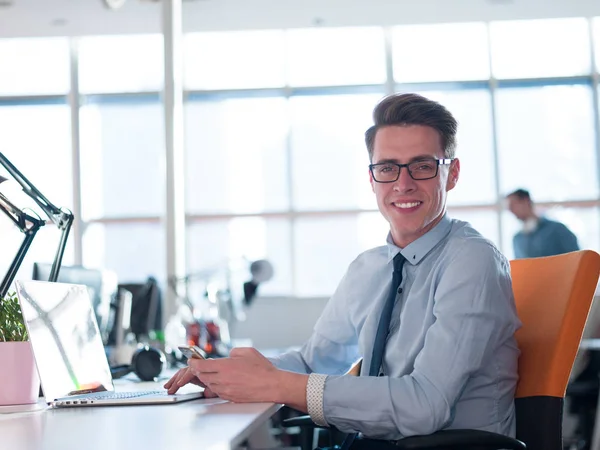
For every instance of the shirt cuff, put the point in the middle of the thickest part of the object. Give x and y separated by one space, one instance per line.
314 398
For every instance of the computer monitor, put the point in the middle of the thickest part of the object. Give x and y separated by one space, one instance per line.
101 284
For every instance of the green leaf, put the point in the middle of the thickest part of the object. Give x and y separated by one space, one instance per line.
12 325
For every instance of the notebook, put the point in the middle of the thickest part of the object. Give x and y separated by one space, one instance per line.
69 352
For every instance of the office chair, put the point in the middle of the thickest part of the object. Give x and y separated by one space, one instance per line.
553 297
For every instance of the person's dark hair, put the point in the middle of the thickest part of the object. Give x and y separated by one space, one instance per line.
521 194
414 109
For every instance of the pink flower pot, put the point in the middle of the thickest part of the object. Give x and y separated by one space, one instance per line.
19 381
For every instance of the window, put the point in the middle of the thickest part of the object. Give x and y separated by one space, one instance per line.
596 37
324 247
441 52
540 48
22 61
546 142
213 245
234 60
36 138
329 157
122 153
121 63
276 165
335 56
472 109
134 251
486 222
236 159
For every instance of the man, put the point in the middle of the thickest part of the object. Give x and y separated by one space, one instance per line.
450 359
540 236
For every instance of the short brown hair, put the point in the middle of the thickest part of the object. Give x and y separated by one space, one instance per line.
414 109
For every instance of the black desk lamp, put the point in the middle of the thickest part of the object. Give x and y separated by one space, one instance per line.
29 225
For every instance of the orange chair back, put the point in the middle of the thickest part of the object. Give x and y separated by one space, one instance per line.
553 297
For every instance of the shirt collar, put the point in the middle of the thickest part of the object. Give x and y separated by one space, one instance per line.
418 249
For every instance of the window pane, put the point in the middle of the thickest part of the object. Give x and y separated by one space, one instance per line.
212 245
546 142
510 226
583 222
596 33
121 63
134 251
329 157
325 246
486 222
234 60
540 48
23 61
37 140
236 155
473 111
441 52
335 56
122 152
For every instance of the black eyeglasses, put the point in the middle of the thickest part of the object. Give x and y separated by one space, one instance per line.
423 169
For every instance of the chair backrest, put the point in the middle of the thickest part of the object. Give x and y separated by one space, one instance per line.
553 297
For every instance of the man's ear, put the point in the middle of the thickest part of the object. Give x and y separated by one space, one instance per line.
453 174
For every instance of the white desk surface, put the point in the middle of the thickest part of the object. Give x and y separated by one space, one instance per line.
204 424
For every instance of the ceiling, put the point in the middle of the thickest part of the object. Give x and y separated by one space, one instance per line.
81 17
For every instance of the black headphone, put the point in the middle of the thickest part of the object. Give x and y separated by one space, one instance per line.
147 363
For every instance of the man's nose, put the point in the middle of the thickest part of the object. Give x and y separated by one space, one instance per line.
404 183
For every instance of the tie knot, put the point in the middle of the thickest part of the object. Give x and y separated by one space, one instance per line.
398 262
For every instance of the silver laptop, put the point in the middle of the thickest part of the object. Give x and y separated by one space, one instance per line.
68 349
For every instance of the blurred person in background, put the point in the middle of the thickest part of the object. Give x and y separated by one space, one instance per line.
540 236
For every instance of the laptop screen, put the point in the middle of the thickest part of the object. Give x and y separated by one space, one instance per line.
65 338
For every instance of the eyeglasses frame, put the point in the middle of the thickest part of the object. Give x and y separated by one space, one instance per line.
439 161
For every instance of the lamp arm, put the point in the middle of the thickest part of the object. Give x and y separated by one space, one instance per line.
16 262
66 228
61 217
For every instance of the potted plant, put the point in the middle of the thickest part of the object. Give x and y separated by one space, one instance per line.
19 381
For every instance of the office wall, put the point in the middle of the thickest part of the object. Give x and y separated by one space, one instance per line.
279 322
67 17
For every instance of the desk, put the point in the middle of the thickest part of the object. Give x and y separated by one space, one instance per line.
205 424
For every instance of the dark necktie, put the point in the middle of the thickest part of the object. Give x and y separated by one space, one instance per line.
382 331
386 317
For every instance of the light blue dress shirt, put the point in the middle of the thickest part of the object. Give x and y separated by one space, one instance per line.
451 356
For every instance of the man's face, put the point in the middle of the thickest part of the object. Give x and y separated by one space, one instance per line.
412 207
520 207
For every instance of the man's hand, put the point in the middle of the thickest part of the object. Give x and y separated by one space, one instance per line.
183 377
246 376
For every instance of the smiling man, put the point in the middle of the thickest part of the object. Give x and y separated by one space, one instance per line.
431 313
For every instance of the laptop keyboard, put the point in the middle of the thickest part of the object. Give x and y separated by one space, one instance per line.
119 395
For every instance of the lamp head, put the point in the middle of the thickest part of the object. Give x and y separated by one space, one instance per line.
261 271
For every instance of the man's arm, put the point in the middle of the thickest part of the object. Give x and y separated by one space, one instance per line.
319 354
475 314
336 352
566 239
